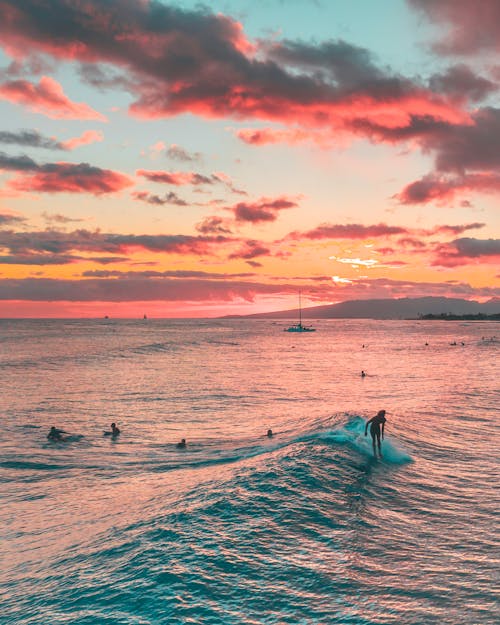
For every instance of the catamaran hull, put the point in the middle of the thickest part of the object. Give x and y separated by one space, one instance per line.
300 329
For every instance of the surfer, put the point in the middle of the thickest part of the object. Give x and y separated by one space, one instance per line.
55 434
269 433
375 423
114 431
182 444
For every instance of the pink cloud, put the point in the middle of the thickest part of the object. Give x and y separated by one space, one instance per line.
263 136
89 136
47 98
177 178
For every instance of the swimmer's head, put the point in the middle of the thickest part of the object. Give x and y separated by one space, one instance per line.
269 433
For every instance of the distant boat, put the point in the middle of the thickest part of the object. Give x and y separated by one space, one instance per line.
298 327
145 316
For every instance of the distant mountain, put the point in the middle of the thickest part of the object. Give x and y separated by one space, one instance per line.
404 308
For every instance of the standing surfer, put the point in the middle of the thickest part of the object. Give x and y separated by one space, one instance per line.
375 423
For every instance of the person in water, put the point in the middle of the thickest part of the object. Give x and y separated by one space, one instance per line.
114 431
269 433
182 444
55 434
363 374
375 430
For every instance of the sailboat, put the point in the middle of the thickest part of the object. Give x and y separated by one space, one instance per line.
298 327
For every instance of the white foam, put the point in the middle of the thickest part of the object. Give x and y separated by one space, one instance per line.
353 434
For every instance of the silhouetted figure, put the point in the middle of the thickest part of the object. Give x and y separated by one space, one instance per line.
375 423
363 374
114 431
55 434
426 343
182 444
270 434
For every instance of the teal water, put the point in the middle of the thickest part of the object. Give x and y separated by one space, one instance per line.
302 528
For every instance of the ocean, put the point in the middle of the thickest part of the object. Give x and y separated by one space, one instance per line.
304 528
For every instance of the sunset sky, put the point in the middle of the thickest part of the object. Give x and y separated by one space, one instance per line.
180 159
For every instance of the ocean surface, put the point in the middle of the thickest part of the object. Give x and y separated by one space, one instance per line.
306 527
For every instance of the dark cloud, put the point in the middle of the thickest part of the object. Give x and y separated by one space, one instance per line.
471 147
62 177
30 138
467 159
27 66
169 198
180 273
348 65
176 153
261 211
411 243
6 219
103 77
473 27
445 229
460 81
57 242
473 248
348 231
134 289
17 163
56 259
250 250
176 61
60 219
181 178
443 189
198 289
214 225
467 250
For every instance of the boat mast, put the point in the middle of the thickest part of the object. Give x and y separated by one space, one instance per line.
300 312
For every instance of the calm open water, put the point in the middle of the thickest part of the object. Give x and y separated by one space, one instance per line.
304 528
